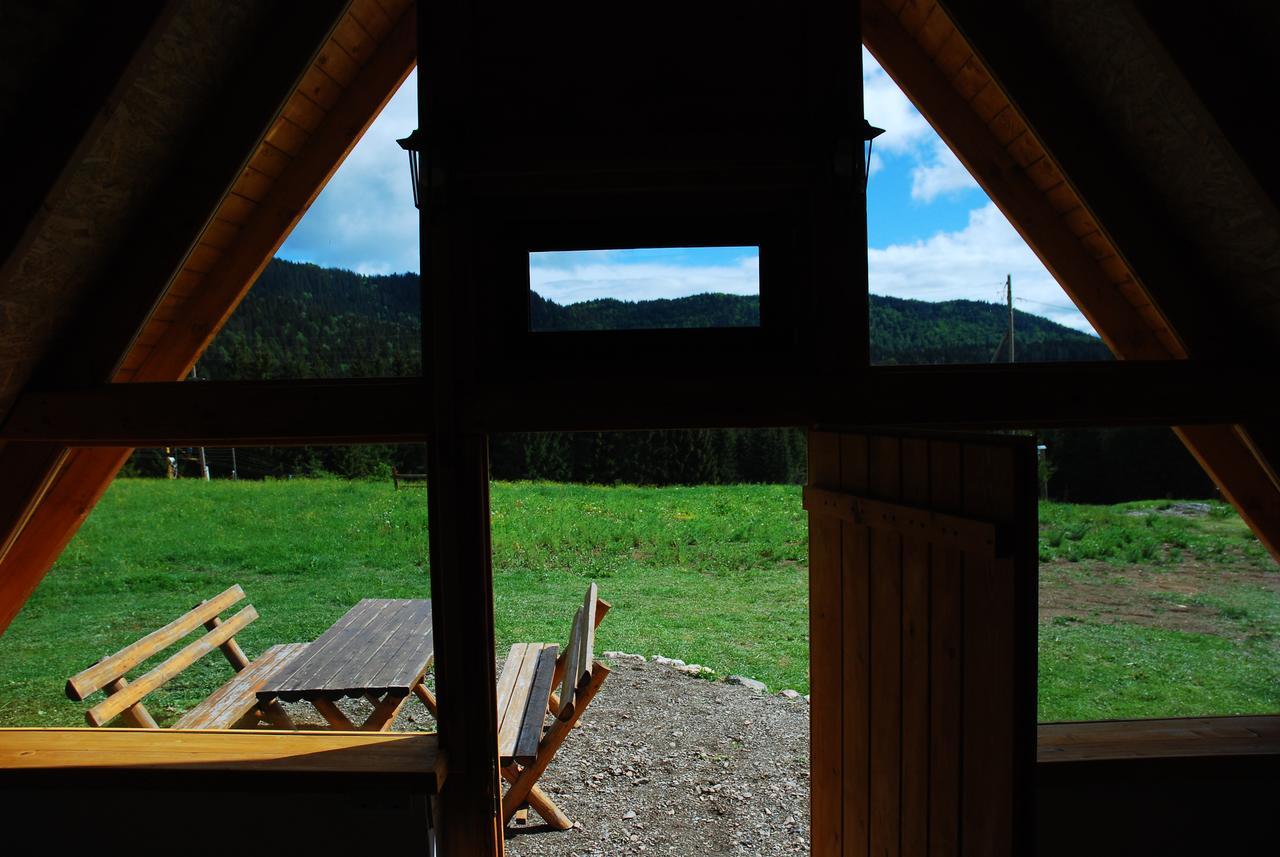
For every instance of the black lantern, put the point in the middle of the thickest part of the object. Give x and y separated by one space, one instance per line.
412 145
869 133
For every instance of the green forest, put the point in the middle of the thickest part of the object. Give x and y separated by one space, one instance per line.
304 321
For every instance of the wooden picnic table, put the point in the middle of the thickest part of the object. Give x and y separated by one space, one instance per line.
380 650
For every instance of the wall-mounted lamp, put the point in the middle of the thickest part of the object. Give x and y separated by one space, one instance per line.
412 145
869 133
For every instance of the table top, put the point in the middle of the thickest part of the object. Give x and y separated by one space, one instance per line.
381 645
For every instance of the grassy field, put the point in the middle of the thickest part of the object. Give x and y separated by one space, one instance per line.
1145 612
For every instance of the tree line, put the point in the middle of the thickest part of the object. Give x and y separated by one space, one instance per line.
304 321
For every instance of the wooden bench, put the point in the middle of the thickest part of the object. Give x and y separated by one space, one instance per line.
233 704
397 477
527 693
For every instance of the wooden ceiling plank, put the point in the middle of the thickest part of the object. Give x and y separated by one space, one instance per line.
153 333
376 22
914 13
953 54
934 32
235 208
1080 222
988 102
354 39
220 233
1044 174
1007 126
115 41
337 63
269 160
287 136
1025 149
1062 197
253 184
321 88
304 112
202 258
969 79
185 283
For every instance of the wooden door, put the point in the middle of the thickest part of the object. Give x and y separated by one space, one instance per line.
922 565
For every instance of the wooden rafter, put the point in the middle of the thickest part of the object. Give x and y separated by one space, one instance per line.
135 279
920 46
361 43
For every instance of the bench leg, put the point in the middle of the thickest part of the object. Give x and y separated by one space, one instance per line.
273 712
333 714
525 782
541 803
428 698
384 713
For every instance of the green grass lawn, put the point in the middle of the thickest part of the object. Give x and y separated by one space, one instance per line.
712 575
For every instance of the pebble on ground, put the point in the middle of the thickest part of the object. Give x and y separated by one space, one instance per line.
665 763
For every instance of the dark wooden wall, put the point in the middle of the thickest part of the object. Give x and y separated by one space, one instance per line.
922 644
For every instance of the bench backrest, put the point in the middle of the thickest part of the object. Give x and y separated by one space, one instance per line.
578 655
125 698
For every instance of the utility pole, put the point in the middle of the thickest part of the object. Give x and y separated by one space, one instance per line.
234 472
204 465
1008 290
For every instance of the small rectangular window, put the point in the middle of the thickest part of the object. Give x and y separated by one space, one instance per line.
650 288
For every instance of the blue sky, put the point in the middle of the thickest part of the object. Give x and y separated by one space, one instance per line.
933 234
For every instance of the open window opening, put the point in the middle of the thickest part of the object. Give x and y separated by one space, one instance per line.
276 556
644 288
1156 599
951 280
698 542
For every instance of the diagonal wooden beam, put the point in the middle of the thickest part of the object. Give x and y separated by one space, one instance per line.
291 195
1010 188
38 521
1222 450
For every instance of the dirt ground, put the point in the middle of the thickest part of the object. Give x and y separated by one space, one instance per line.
665 763
1163 597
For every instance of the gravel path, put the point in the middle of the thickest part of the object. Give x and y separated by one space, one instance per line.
666 763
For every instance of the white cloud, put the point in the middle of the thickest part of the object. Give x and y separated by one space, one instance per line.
576 281
935 170
886 107
944 174
971 263
364 220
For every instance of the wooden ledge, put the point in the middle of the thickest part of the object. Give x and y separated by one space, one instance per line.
1173 738
415 755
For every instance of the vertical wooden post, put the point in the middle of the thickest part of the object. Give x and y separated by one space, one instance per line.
825 657
457 469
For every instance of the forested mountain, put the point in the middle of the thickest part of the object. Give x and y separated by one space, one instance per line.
911 331
304 321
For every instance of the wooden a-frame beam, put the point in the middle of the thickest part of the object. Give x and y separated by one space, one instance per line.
115 41
135 280
34 533
1085 267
